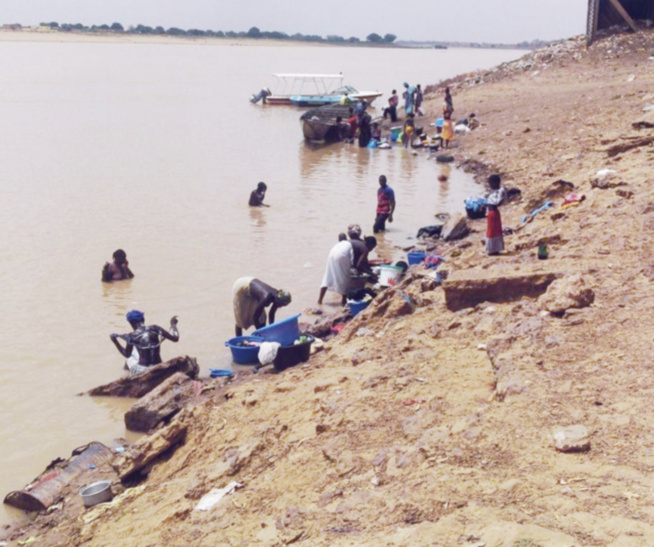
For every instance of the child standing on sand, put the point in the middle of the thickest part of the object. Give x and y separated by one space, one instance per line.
448 131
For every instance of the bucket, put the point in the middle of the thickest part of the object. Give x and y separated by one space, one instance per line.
95 493
293 354
389 275
395 132
245 354
285 331
415 257
357 306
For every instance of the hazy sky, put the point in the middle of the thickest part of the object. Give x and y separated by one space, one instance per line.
452 20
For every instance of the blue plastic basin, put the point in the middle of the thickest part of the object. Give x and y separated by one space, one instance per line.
244 355
416 257
357 306
285 331
220 373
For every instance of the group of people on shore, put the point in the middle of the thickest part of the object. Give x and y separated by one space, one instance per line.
348 257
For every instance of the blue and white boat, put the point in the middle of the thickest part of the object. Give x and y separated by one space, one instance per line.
342 95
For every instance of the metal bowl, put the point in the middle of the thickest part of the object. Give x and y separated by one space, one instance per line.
97 492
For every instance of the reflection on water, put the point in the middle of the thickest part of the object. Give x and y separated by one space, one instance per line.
129 151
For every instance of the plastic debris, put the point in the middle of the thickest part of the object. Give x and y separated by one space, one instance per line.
213 497
268 352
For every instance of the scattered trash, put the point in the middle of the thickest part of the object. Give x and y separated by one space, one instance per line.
572 200
530 216
433 261
542 251
213 497
604 174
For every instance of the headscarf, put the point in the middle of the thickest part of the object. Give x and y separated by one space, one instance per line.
135 317
354 231
283 297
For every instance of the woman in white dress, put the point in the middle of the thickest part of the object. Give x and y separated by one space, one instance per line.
337 272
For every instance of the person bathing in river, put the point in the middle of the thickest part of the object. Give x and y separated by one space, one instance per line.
497 196
391 109
257 196
385 205
408 130
251 298
142 345
118 269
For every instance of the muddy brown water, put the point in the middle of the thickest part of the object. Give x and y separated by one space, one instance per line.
155 148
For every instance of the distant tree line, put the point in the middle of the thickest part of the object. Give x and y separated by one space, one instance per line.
254 32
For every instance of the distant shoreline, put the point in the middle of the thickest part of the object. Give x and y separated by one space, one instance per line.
125 38
30 35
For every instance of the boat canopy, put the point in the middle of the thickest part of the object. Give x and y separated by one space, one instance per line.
310 76
306 84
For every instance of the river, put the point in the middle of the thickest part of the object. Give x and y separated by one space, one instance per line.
154 148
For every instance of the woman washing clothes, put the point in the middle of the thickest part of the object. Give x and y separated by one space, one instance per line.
497 196
251 298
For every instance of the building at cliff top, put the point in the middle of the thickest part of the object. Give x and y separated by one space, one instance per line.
603 14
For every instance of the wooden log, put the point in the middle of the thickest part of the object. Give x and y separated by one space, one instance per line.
163 402
469 288
138 385
63 477
146 449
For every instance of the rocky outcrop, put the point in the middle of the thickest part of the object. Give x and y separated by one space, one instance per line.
147 449
568 292
162 403
144 382
455 228
471 287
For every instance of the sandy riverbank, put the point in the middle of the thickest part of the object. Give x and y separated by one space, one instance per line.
403 431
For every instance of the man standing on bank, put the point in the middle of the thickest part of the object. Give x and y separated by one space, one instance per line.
385 205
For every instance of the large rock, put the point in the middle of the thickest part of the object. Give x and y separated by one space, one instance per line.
469 288
150 447
138 385
574 438
163 402
572 291
455 228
